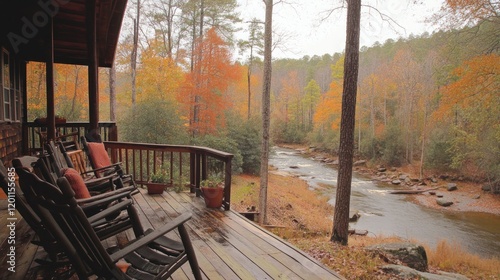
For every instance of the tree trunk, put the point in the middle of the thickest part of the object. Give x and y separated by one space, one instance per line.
341 216
266 112
135 47
72 114
249 76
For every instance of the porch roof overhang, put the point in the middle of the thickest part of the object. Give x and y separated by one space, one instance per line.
24 27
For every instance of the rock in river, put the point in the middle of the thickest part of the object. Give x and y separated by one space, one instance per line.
452 187
443 202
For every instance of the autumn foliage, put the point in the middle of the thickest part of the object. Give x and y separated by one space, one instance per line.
430 100
205 90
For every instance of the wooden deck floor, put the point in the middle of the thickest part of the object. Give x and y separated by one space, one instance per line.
227 245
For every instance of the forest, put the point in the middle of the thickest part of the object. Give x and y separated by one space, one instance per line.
431 100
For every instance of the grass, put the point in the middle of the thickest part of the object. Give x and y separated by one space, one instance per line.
451 257
304 218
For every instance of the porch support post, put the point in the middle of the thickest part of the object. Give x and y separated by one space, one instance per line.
49 79
93 66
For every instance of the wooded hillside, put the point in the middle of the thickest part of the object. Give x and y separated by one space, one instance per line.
431 99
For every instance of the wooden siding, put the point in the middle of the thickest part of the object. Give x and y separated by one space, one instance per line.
10 141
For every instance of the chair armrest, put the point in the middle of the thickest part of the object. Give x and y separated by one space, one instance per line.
114 165
146 239
110 210
105 198
100 184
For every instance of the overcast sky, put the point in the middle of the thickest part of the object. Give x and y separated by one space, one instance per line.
309 33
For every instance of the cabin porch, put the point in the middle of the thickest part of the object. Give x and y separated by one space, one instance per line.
227 245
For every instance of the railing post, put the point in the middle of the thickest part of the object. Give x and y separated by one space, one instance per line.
113 133
227 184
204 167
192 172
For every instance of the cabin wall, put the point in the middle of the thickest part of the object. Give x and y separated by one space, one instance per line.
10 141
12 95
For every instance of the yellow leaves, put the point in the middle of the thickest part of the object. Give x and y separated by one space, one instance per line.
157 76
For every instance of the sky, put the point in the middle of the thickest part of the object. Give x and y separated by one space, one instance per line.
310 32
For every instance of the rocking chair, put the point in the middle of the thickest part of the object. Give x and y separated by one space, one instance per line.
66 220
100 161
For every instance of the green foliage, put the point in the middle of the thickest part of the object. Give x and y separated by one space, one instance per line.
213 181
370 148
325 139
153 121
160 176
222 143
394 150
438 150
247 135
291 132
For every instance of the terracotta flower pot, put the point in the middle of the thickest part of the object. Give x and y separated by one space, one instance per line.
213 196
155 188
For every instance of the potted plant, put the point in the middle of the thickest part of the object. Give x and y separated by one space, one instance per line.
158 181
213 191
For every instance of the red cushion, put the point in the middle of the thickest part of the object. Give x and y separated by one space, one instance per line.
98 155
76 182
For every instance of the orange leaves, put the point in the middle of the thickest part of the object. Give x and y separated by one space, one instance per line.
329 108
479 9
205 89
477 84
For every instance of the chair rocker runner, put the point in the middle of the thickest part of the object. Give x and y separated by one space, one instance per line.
73 231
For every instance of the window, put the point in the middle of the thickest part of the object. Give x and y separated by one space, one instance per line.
10 89
6 84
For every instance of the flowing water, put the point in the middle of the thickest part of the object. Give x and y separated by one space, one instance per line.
386 214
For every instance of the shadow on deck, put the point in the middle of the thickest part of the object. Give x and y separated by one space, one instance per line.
227 245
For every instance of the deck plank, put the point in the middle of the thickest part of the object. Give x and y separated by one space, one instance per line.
206 232
227 245
296 261
255 251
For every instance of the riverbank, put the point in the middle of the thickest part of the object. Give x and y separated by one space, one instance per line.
468 196
303 217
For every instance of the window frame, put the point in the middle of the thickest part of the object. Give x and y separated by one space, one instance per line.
10 84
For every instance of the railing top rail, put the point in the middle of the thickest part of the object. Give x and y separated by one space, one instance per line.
173 148
70 124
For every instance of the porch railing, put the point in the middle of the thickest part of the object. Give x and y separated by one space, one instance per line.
185 164
33 133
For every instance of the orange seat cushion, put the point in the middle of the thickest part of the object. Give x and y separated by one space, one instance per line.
98 155
76 182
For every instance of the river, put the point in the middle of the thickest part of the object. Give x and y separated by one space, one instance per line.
386 214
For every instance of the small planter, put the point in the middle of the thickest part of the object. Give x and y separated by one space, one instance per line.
155 188
213 196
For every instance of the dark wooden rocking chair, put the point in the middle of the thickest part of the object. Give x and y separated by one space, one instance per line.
100 161
43 237
68 223
60 163
105 224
